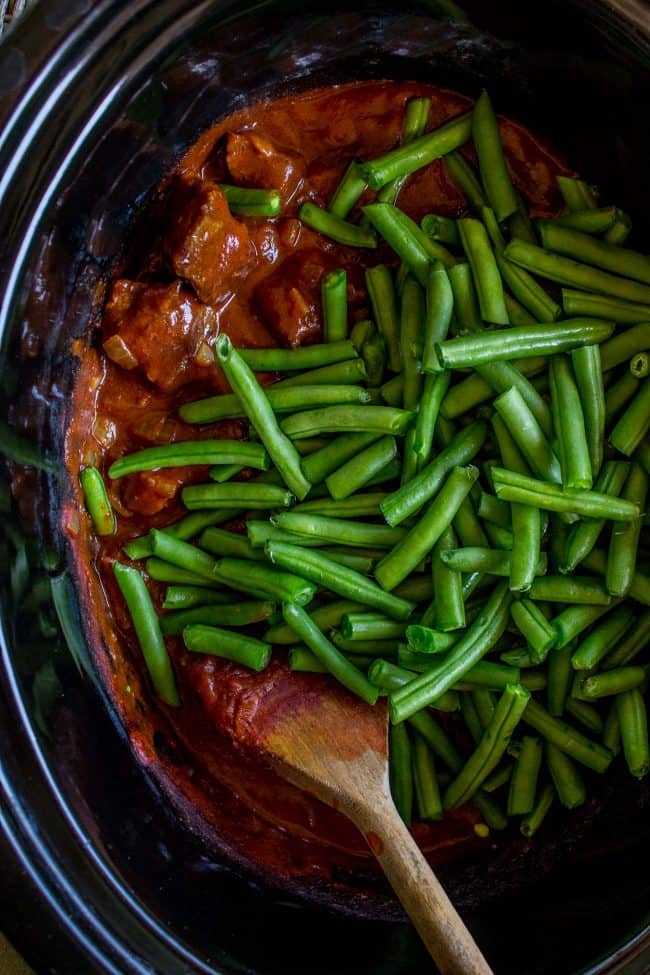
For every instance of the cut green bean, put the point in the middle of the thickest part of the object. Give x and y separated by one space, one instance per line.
633 425
370 648
357 471
412 341
584 535
448 587
466 306
586 714
187 597
444 229
566 271
97 501
624 542
340 531
499 377
227 614
434 391
624 345
582 590
633 643
293 360
471 718
347 192
416 115
249 202
532 822
279 447
567 739
611 736
570 425
633 721
491 509
589 221
577 194
401 774
161 571
485 272
335 306
192 452
371 626
640 365
336 452
407 500
465 179
491 748
418 153
352 585
337 665
528 435
492 561
383 300
324 617
439 308
345 372
147 629
567 780
612 682
409 551
347 419
425 639
282 399
539 634
510 486
492 164
600 306
425 780
212 640
332 226
589 380
396 230
216 541
593 251
246 495
560 675
374 356
523 784
620 229
358 506
517 314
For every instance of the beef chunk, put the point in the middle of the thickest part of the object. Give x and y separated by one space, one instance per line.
254 161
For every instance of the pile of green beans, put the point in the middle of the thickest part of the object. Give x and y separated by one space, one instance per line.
447 500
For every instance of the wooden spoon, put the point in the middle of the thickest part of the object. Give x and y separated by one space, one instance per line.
335 746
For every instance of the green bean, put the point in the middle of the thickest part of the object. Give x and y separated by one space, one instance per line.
342 532
498 377
517 314
389 676
620 229
465 179
216 541
567 780
358 506
488 674
624 345
567 739
491 509
293 360
248 495
392 392
573 620
510 486
345 582
251 202
485 272
357 471
619 395
635 641
476 641
335 305
425 780
518 657
570 425
337 665
465 304
161 571
184 556
381 291
225 472
261 532
471 718
584 535
434 391
186 597
633 720
593 251
324 617
411 341
491 561
611 736
407 500
448 587
559 679
439 308
523 784
469 351
390 472
279 447
371 626
528 435
393 227
492 164
632 427
369 648
192 452
97 501
592 221
374 356
485 704
330 225
577 194
351 558
147 630
302 660
586 714
401 775
282 399
347 192
498 778
573 589
212 640
424 639
228 614
539 634
615 681
336 452
532 822
440 228
264 582
566 271
491 748
534 680
346 372
409 551
416 115
599 306
589 379
642 454
624 542
347 419
640 365
418 153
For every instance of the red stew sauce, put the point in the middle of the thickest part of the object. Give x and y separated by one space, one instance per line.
192 272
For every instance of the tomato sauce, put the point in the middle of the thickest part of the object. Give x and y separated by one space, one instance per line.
194 270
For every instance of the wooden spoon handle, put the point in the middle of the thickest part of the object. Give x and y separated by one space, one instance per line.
435 918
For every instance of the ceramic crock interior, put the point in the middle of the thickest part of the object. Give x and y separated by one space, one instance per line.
138 83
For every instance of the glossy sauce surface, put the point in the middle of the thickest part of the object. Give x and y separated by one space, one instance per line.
193 270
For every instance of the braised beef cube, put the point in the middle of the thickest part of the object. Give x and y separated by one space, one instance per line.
205 244
254 161
158 328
